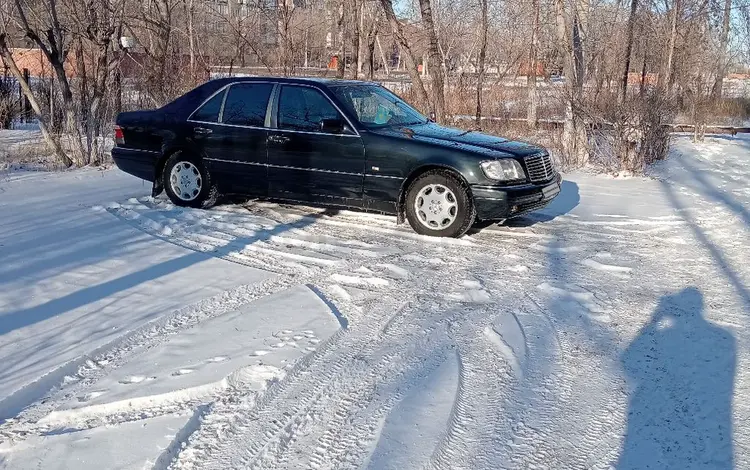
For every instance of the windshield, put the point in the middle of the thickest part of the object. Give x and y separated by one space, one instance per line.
375 106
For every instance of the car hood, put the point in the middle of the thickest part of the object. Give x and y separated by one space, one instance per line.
461 139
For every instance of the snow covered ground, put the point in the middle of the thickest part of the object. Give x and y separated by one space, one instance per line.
609 330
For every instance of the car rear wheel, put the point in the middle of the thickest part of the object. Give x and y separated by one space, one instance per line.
438 204
187 181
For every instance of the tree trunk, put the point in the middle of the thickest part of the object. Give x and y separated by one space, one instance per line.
372 35
531 116
96 111
159 17
405 50
118 91
435 61
341 64
482 59
643 75
191 39
721 65
371 60
569 35
83 101
628 50
307 46
356 12
666 79
360 43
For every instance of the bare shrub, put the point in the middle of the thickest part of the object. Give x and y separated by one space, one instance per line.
630 135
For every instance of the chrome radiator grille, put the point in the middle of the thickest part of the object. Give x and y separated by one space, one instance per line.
539 167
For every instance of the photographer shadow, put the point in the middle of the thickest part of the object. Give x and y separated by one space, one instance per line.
682 370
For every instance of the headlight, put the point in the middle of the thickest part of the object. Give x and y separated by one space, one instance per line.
504 169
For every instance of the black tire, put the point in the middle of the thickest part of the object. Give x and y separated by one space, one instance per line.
207 195
465 210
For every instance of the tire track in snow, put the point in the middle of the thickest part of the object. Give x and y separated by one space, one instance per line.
566 385
284 433
230 247
263 437
283 245
356 430
200 243
527 434
469 441
102 361
346 430
264 429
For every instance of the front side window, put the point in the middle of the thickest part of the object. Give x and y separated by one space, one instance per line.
246 104
304 108
376 107
210 110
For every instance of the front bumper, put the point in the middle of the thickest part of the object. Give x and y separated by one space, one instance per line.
504 202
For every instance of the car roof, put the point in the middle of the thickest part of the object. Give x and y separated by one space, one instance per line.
291 80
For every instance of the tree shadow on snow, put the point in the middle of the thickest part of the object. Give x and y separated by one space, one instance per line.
702 184
682 370
92 299
720 259
91 294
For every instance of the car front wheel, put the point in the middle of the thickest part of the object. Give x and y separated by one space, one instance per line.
439 204
187 181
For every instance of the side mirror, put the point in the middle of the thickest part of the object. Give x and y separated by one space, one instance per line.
332 126
433 116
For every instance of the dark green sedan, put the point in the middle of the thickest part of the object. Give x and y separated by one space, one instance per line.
336 142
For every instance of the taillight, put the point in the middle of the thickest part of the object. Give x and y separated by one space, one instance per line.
119 136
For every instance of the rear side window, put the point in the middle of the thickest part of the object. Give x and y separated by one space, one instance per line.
246 104
302 109
209 112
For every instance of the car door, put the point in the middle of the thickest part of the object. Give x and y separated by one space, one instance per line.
234 146
307 162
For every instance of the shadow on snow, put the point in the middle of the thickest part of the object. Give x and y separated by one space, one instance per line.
682 370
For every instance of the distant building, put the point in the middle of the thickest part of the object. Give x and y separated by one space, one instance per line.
525 68
35 62
651 78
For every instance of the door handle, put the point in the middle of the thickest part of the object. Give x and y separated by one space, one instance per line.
279 139
202 131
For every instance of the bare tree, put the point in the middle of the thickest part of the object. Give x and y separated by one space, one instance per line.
435 61
341 33
357 19
44 125
723 43
47 33
531 116
406 51
285 12
95 31
628 49
372 16
665 78
571 21
484 28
